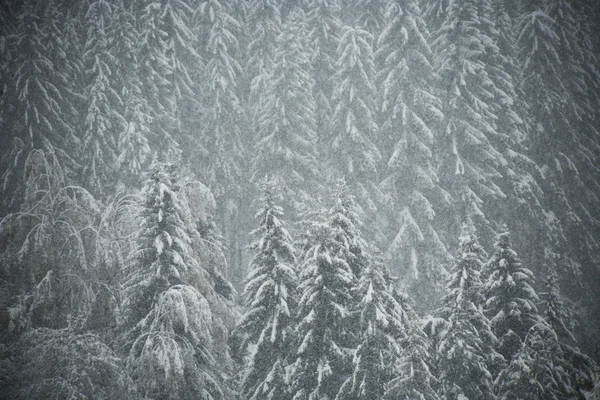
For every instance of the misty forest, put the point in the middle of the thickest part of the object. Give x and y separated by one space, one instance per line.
300 199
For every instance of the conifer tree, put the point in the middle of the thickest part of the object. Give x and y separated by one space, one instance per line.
271 301
40 116
324 26
410 114
285 144
103 120
352 150
412 375
324 334
168 321
264 23
465 351
469 163
377 349
537 371
510 304
134 140
222 153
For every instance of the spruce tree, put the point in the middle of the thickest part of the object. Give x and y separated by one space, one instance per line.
324 26
324 335
469 162
537 371
167 324
285 144
412 376
377 349
103 121
352 151
511 299
465 351
270 296
410 115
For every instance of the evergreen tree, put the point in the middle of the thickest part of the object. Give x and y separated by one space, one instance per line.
377 348
40 116
135 137
410 114
324 337
222 152
560 87
171 350
324 26
537 371
469 164
286 138
465 351
511 298
352 150
156 71
103 120
271 301
412 375
265 25
367 14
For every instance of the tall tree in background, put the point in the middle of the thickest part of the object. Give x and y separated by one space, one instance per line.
558 80
469 164
410 114
324 25
264 24
103 120
40 117
222 157
271 304
285 144
351 150
135 138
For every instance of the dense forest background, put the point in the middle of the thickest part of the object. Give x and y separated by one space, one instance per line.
299 198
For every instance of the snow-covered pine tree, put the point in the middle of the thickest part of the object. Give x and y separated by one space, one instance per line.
163 253
410 114
285 143
369 15
167 321
134 139
156 71
378 329
578 366
222 160
412 375
352 151
469 164
465 352
323 25
103 120
560 89
270 296
222 157
264 24
537 370
511 299
66 363
39 116
322 349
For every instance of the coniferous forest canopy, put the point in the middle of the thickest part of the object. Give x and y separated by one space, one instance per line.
299 199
